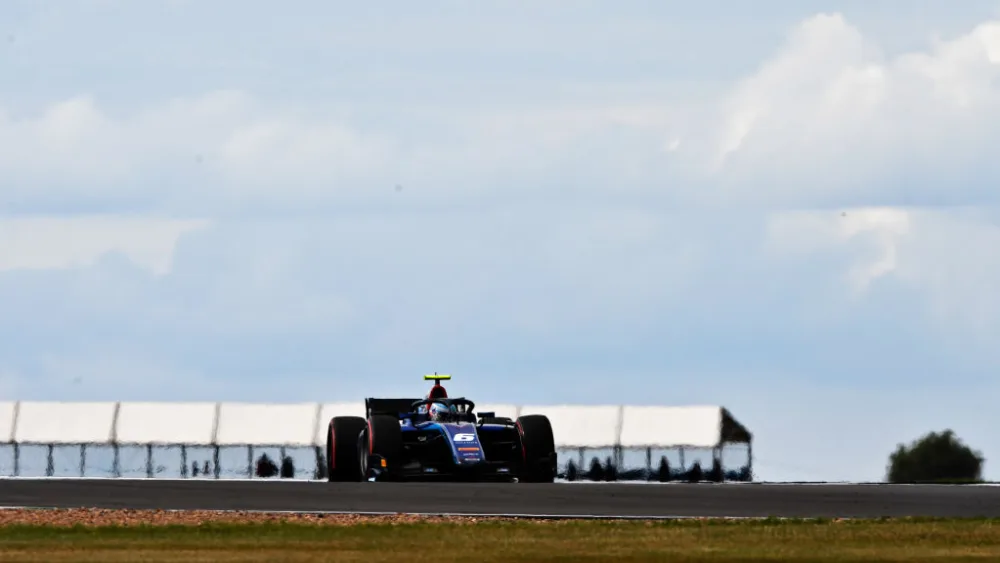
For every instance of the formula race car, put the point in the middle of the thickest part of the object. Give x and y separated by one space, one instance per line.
438 438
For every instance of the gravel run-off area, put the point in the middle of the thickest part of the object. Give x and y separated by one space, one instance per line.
107 517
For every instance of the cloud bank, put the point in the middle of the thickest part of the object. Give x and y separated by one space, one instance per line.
821 227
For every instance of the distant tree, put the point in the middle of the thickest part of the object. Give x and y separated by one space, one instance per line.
935 457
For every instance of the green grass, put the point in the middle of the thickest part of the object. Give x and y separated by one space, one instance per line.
506 541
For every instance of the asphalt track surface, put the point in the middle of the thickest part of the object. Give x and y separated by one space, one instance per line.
547 500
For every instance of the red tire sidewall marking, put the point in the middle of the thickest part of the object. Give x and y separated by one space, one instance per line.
371 437
524 449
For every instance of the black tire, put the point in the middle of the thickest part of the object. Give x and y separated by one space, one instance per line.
381 436
341 448
540 459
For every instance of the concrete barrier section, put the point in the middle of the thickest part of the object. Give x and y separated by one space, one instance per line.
305 424
581 426
263 424
64 423
7 410
166 423
696 427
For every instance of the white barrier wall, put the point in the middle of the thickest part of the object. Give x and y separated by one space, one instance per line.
7 411
260 424
165 423
581 427
695 427
64 423
305 424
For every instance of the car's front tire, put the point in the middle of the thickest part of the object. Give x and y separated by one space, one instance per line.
341 452
540 461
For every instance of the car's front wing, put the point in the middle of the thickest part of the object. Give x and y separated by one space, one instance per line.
416 471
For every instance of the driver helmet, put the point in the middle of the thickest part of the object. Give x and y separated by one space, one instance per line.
439 411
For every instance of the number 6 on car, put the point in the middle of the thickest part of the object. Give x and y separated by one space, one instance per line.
464 437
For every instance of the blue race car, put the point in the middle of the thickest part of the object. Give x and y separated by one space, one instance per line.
438 438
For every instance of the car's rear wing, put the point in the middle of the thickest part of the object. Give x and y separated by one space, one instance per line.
391 407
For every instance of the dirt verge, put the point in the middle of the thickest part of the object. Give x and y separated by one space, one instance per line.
105 517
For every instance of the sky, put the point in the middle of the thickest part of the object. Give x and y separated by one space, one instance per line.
788 209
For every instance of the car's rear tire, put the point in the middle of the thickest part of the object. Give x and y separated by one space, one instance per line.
540 462
381 437
341 448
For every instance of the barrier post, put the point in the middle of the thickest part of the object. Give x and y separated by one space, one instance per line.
320 463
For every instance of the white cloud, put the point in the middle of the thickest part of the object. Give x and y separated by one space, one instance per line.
226 151
40 243
942 256
811 231
949 258
828 119
831 119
